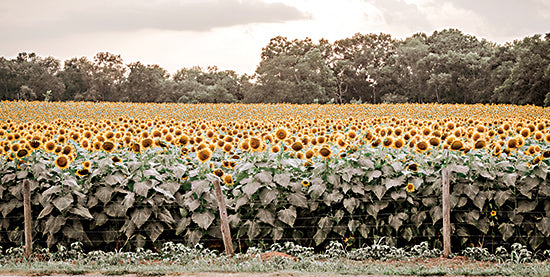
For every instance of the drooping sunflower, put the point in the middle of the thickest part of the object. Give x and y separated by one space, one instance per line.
62 161
309 154
325 151
421 146
204 155
480 144
228 179
146 143
413 167
457 145
219 172
83 172
297 146
22 153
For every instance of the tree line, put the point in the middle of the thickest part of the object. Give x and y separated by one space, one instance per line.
447 66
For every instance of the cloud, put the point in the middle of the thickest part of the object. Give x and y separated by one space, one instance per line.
57 18
402 15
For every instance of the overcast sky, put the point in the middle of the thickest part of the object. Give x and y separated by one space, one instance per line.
231 33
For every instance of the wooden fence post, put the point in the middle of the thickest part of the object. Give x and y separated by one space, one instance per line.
28 217
226 232
446 213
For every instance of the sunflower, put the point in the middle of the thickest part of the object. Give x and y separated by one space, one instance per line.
136 147
22 153
297 146
58 150
457 145
183 140
228 179
305 183
434 141
308 163
413 167
255 143
62 161
387 142
281 133
493 213
546 154
421 146
275 149
309 154
146 143
325 152
67 150
480 144
204 155
410 187
398 143
115 159
35 144
512 143
83 172
219 172
86 164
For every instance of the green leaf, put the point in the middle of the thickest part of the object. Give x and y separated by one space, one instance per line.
479 201
471 191
374 174
366 163
264 177
483 225
398 195
200 186
234 220
287 216
154 230
320 236
46 211
266 216
393 182
472 217
509 179
352 225
373 209
462 169
82 211
436 213
62 203
51 191
507 230
350 204
117 178
316 190
204 220
334 197
395 222
241 201
502 196
364 230
298 199
283 179
253 229
251 188
527 185
128 201
182 224
525 206
166 217
104 194
267 195
418 218
379 191
544 226
115 209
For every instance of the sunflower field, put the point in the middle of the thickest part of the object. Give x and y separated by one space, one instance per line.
134 175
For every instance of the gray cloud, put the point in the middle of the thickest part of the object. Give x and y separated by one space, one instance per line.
400 14
31 19
510 17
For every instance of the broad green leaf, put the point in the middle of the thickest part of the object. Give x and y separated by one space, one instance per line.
418 218
241 201
253 229
334 197
82 211
234 220
407 234
525 206
46 211
366 163
287 216
51 191
264 177
352 225
350 204
472 217
166 217
509 179
104 194
471 191
398 195
182 224
115 209
535 239
393 182
395 222
277 233
298 199
200 186
483 225
100 219
462 169
8 177
374 174
527 185
128 228
364 230
54 224
203 219
479 201
338 215
316 190
154 230
502 196
544 226
507 230
436 213
320 236
266 216
267 195
171 187
373 209
193 236
283 179
128 201
379 191
251 188
114 179
62 203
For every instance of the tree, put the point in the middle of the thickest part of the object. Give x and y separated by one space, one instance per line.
144 83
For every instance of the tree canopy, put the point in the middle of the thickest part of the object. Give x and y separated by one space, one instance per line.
447 66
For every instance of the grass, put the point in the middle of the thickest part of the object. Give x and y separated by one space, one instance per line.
255 264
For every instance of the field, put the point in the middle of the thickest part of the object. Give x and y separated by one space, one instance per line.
122 175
